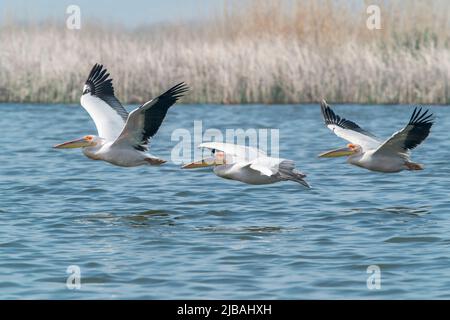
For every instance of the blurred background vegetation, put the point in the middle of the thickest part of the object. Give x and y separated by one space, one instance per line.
255 51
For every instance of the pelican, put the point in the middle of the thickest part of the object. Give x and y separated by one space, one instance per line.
367 151
122 138
247 164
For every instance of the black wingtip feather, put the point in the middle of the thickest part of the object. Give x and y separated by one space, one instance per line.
421 123
419 117
328 115
332 118
100 85
154 115
176 91
99 82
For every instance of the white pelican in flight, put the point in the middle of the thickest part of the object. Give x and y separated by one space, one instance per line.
248 165
122 138
367 151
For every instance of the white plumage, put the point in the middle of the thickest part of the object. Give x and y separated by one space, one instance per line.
248 165
107 120
367 151
122 138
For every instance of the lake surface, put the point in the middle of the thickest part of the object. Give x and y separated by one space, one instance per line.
162 232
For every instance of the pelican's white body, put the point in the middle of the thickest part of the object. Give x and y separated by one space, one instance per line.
369 152
123 156
122 137
243 171
112 145
378 162
252 166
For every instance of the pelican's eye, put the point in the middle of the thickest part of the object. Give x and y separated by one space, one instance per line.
213 151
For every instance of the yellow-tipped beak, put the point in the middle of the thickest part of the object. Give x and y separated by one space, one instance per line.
79 143
207 162
342 152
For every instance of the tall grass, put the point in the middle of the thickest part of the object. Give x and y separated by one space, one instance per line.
266 51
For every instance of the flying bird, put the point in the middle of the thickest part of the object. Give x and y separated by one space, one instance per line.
247 164
367 151
122 137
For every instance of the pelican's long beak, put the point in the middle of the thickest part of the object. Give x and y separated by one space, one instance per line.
79 143
207 162
341 152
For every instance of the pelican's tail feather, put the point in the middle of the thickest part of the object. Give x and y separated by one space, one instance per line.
287 171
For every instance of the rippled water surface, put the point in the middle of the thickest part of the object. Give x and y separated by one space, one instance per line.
162 232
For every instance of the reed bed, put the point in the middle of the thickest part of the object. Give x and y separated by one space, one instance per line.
267 51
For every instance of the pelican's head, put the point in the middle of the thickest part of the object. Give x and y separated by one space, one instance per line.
350 150
217 159
86 141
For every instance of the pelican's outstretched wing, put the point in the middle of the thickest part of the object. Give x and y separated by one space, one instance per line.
415 132
347 129
238 152
267 165
144 122
99 101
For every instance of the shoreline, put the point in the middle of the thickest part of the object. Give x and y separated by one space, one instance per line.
312 104
260 53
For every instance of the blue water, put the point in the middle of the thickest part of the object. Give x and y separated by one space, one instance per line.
162 232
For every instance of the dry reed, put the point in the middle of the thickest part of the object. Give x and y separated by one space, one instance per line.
267 51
